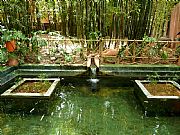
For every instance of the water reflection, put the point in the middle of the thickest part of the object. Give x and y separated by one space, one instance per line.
93 84
75 110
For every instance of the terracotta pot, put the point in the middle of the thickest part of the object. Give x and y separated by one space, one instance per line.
11 45
12 62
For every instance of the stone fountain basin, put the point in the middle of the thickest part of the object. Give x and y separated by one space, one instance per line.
47 94
155 104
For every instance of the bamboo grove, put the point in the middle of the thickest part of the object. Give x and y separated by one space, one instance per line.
90 18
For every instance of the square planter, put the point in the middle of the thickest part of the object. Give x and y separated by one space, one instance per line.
32 88
160 97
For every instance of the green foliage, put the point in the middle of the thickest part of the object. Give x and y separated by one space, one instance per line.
43 76
154 77
149 39
177 53
2 68
67 57
16 15
95 35
121 52
18 79
164 55
37 41
21 45
117 19
3 56
26 47
8 35
77 50
153 51
12 55
176 77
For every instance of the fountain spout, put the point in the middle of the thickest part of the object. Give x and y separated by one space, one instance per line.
93 72
93 61
93 78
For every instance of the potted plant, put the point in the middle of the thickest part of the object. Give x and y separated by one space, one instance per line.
12 59
10 38
16 44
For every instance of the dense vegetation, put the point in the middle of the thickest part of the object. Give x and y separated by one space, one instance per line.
90 18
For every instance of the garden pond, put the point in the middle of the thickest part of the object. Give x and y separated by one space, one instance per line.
77 107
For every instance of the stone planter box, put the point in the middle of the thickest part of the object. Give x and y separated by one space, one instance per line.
162 104
13 93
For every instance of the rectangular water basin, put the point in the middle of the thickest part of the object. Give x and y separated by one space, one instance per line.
159 97
32 88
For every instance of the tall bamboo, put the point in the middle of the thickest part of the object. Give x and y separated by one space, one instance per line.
114 18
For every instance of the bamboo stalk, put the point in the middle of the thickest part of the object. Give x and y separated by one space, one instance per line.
116 18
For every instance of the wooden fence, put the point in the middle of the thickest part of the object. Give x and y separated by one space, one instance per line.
75 51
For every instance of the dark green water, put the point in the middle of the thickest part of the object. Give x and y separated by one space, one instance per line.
76 110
